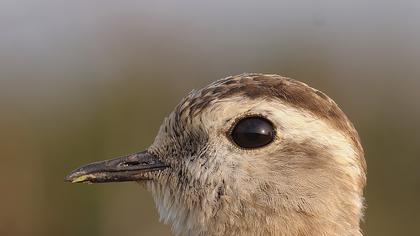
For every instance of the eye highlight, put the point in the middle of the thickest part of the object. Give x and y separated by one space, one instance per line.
253 132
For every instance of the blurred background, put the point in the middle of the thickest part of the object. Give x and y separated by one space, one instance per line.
82 81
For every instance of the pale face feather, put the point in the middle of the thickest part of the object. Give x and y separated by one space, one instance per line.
304 183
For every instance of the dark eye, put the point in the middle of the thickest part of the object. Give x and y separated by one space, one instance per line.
253 132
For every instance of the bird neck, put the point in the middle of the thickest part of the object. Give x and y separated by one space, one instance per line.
266 212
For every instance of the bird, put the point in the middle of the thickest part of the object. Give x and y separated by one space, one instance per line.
250 154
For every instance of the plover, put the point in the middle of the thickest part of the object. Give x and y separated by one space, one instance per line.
252 154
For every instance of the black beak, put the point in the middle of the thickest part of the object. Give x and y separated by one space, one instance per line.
133 167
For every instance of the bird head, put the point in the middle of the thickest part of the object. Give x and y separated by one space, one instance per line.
253 153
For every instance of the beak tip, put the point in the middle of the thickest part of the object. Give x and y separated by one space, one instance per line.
76 177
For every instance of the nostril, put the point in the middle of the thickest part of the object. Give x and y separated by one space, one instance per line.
131 163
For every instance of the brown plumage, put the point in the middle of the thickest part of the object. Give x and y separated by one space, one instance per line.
307 180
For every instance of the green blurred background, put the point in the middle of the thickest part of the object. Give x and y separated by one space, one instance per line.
82 81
